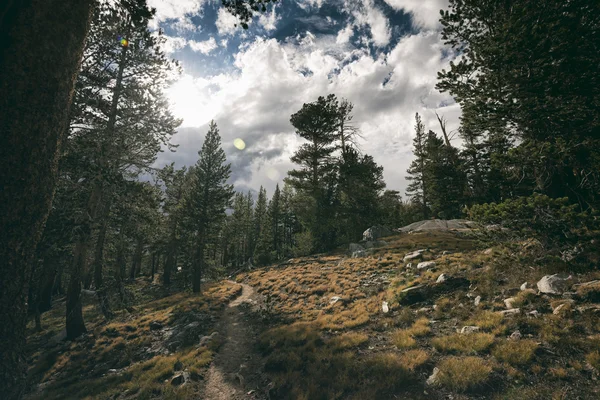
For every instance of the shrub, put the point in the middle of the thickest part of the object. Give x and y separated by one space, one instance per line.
463 373
594 360
413 359
486 320
403 339
552 221
515 352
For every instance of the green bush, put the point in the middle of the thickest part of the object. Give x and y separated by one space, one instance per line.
554 222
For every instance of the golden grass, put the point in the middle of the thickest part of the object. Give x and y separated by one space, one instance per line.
463 373
594 360
347 340
402 339
461 343
486 320
414 359
515 352
420 327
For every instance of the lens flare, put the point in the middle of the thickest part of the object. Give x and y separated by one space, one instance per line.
239 144
123 41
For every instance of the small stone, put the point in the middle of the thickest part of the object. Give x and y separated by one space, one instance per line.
441 278
426 265
409 266
155 325
516 335
533 313
384 307
432 380
509 303
477 300
512 311
334 299
488 251
469 329
523 286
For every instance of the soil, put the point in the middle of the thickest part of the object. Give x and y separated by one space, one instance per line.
235 373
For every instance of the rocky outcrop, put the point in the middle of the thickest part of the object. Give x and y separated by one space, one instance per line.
415 255
554 284
375 232
439 225
427 292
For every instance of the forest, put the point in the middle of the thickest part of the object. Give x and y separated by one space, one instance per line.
85 212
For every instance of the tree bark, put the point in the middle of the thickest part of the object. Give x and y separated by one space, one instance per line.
99 263
41 44
198 265
120 267
170 262
137 259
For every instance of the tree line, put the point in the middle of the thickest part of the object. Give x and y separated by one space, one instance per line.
82 120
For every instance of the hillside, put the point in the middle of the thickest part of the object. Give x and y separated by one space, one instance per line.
315 328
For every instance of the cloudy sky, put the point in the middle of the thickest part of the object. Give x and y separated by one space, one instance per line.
382 55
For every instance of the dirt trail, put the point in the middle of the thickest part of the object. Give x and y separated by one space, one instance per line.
235 372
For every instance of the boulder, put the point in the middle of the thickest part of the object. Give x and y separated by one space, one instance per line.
477 301
516 335
509 303
419 293
426 265
523 286
375 232
441 278
359 254
355 247
554 284
469 329
512 311
433 378
418 254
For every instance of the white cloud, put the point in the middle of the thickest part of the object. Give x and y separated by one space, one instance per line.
425 13
367 14
344 35
226 23
176 9
269 20
274 79
204 47
173 44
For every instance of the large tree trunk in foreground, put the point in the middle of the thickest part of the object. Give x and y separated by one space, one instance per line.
41 44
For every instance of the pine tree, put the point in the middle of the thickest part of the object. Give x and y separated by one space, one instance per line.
417 189
275 217
208 198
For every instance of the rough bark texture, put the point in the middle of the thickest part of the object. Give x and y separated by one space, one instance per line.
41 43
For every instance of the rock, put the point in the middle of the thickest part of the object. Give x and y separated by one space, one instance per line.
359 254
384 307
477 301
533 313
355 247
424 310
512 311
419 293
516 335
408 266
376 243
180 379
334 299
432 380
488 251
204 341
523 286
438 225
558 308
426 265
441 278
178 366
418 254
509 303
553 284
155 325
375 232
469 329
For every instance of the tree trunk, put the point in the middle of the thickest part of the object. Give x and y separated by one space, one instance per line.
41 44
137 259
198 264
101 289
57 288
120 267
47 283
170 262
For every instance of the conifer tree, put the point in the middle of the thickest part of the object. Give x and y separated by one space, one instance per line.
208 198
417 189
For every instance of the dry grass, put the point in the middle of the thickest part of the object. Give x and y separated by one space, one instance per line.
515 352
414 359
420 327
347 340
486 320
594 360
463 373
461 343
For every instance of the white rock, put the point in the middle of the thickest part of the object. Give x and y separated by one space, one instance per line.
409 266
553 284
469 329
414 255
516 335
432 380
334 299
441 278
533 313
488 251
359 254
523 286
477 300
509 303
512 311
384 307
426 265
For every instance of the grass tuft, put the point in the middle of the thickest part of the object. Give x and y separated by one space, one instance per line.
515 352
463 373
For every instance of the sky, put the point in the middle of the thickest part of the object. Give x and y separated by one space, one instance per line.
381 55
